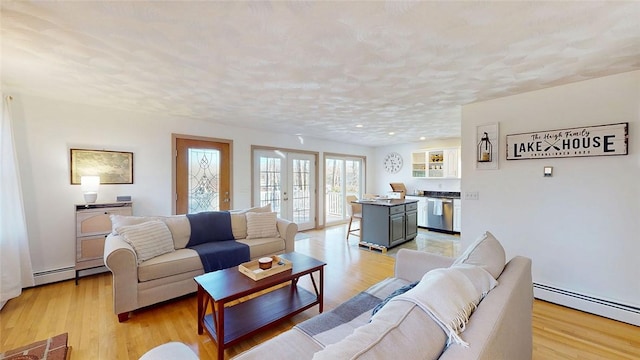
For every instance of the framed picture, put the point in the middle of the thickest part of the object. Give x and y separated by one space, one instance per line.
113 167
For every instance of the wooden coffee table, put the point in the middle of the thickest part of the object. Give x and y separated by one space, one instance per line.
230 324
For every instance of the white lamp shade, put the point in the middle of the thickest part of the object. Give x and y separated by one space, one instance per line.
90 183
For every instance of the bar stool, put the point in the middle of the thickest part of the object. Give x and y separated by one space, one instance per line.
355 212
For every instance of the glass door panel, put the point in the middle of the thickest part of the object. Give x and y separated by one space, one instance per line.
335 209
202 175
286 180
204 184
302 211
270 180
344 176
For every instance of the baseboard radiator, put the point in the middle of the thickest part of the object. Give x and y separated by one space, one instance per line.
602 307
55 275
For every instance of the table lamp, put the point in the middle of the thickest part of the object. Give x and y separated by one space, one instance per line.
90 185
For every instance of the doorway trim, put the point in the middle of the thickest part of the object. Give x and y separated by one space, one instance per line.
174 155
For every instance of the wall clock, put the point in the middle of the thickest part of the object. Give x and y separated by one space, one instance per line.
392 162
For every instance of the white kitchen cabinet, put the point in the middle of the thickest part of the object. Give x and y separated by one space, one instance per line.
443 163
436 164
419 164
457 215
422 210
452 163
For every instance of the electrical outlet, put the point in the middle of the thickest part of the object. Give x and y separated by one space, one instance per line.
471 195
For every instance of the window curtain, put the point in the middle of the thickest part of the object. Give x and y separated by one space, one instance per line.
15 261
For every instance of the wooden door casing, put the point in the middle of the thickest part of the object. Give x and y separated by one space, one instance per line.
182 170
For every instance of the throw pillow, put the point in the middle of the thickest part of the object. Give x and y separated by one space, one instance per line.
148 239
239 220
401 290
450 295
261 225
180 229
239 224
125 220
481 279
265 208
486 252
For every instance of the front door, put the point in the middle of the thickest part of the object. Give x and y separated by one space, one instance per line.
287 181
203 175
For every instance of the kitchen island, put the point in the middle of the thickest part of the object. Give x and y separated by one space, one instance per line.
388 222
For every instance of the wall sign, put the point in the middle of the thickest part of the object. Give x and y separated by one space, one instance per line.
602 140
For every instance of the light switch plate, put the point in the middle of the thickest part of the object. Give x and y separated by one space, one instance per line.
471 195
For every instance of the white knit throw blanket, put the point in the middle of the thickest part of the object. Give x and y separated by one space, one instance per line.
450 295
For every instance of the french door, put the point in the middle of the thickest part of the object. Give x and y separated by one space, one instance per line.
287 180
344 176
203 175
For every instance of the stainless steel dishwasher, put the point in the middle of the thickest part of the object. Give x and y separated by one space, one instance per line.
440 214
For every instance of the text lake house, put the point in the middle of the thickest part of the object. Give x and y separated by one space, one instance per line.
599 140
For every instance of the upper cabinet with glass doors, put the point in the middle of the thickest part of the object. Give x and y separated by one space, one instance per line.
436 164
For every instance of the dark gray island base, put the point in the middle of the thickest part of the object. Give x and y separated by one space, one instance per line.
388 223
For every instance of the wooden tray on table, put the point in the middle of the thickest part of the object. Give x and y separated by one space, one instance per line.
253 271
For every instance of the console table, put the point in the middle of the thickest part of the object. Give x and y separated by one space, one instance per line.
93 224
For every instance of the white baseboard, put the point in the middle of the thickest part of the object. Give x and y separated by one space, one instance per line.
55 275
601 307
51 276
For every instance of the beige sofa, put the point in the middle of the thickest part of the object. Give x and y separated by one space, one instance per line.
138 284
500 328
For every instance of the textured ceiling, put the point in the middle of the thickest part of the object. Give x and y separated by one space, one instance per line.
312 68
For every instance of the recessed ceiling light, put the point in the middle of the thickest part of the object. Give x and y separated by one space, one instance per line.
359 125
392 133
422 138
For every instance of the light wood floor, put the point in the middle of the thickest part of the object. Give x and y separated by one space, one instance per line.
85 312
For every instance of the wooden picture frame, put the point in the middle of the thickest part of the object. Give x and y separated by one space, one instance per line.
113 167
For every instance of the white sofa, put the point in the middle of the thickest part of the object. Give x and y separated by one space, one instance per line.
500 328
138 284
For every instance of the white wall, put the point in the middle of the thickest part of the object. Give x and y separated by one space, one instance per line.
404 175
580 226
46 129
